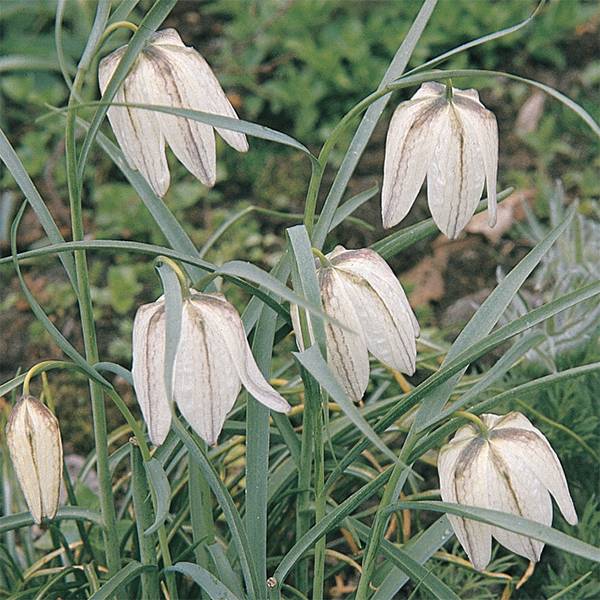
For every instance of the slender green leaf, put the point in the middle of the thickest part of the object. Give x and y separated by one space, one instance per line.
510 522
485 318
313 362
408 565
9 386
220 121
480 40
215 588
411 80
20 175
234 521
420 549
163 217
228 576
173 314
368 123
116 585
348 207
160 484
66 513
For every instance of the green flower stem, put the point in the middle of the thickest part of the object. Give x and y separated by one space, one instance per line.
42 367
113 27
483 428
320 498
107 506
176 268
390 493
303 500
143 513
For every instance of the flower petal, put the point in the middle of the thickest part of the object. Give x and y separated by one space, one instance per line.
206 92
526 447
481 124
346 349
148 369
192 142
517 491
463 479
368 264
456 175
226 323
137 130
411 141
33 438
206 384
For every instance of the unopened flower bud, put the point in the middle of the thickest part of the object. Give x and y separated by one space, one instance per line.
35 447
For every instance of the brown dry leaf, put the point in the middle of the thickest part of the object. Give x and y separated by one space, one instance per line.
530 113
509 211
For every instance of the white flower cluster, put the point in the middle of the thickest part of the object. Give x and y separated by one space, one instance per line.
442 134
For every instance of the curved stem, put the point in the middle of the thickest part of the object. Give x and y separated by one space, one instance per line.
41 367
483 428
107 506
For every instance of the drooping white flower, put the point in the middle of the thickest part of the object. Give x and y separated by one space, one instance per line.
168 73
35 446
360 291
454 142
213 361
511 469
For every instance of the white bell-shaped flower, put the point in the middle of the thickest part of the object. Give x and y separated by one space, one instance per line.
168 73
35 447
213 361
511 468
453 140
361 292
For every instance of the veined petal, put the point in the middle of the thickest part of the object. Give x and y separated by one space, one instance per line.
468 485
411 141
206 91
346 350
481 124
517 491
206 384
227 325
369 265
455 177
192 142
137 131
148 369
389 337
525 447
34 443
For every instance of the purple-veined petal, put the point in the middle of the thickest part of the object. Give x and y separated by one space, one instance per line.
137 130
191 141
205 381
148 369
206 93
368 264
481 124
227 324
525 446
455 177
463 479
347 353
517 491
410 145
